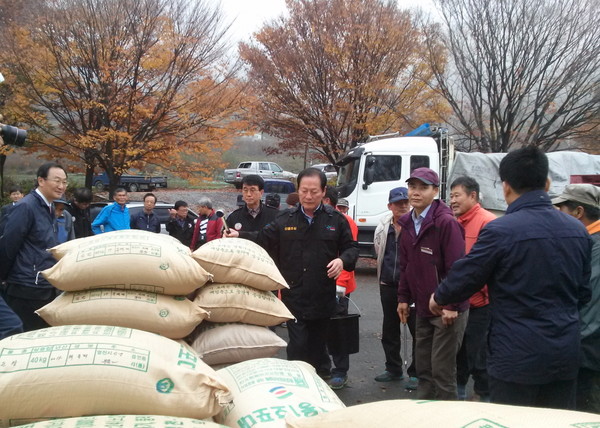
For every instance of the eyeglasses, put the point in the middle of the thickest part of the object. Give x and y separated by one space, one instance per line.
246 190
58 181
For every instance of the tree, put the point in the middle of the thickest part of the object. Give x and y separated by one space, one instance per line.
121 83
336 71
520 72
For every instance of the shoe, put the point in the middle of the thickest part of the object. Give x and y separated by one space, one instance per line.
387 377
324 375
338 382
412 384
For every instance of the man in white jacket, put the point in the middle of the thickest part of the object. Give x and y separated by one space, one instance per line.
388 271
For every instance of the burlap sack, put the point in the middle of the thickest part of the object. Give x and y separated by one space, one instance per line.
74 371
170 316
140 235
240 261
125 421
233 343
240 303
267 390
129 261
447 414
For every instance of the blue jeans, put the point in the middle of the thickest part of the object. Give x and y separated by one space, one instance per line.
10 323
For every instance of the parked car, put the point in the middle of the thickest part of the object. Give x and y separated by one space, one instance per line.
161 210
133 183
264 169
328 169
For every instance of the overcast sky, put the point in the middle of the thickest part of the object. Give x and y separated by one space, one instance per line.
250 15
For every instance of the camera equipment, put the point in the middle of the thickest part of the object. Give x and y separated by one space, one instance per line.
13 135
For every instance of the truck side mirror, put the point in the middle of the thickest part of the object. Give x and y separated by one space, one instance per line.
369 171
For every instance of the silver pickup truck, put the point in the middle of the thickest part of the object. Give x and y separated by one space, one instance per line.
264 169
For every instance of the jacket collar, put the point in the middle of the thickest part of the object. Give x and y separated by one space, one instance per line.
594 227
469 215
534 198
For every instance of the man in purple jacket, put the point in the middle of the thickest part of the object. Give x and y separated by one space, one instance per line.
431 240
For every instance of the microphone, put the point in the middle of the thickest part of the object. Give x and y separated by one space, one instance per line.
221 215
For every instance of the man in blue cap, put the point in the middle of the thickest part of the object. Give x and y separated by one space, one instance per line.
385 241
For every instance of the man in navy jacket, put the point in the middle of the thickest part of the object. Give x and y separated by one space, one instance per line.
29 232
536 262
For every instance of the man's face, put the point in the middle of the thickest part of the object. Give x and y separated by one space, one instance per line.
58 209
342 209
16 196
81 205
121 198
461 201
53 186
399 208
310 192
203 210
182 212
421 195
252 195
149 204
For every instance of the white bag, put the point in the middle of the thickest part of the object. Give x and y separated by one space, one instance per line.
73 371
240 303
125 421
267 390
129 261
170 316
233 343
240 261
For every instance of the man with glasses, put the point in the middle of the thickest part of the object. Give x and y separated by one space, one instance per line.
254 215
114 216
29 232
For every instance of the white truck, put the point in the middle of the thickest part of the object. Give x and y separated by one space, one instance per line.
369 171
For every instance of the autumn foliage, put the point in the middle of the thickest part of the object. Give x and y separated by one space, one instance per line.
121 84
335 72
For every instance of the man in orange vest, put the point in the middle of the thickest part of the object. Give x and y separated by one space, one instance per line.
345 284
471 360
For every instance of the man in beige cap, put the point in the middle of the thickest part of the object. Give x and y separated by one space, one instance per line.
582 201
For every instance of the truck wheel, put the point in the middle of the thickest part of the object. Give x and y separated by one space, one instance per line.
133 187
99 186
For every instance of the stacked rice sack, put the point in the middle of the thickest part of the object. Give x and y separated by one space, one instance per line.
126 278
103 356
81 370
240 301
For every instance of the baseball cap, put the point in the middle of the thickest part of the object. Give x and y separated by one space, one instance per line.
398 194
426 175
587 194
61 201
343 203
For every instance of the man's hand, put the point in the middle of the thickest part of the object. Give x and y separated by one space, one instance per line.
434 307
334 268
230 233
403 312
448 317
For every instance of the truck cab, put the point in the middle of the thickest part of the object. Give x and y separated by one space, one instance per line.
368 172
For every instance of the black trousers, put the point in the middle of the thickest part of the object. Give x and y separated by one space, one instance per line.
391 333
471 358
308 343
25 310
556 395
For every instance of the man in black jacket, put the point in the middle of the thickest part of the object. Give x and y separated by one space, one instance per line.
80 211
253 215
29 232
311 244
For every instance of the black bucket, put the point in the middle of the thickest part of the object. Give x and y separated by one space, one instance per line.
343 338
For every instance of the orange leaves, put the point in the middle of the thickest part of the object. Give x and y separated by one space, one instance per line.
336 71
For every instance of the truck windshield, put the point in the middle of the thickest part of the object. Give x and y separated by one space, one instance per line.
347 177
